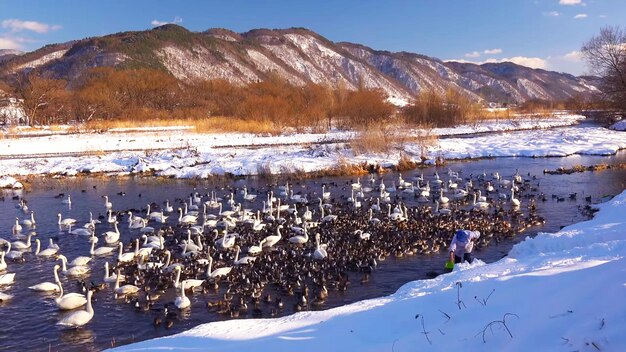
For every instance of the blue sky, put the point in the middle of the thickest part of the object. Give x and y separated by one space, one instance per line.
537 33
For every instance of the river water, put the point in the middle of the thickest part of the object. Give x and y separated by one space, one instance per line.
28 321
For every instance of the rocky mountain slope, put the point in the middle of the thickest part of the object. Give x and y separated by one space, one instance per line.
296 54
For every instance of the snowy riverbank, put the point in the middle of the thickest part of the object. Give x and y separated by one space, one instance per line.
555 292
184 154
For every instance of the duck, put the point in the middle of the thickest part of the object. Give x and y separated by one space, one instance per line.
81 317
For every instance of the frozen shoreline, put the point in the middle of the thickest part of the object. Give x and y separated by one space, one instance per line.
565 290
184 154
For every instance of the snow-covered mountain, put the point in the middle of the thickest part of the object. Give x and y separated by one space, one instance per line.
299 56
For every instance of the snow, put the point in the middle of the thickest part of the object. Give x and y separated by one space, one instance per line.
556 292
185 154
10 182
619 125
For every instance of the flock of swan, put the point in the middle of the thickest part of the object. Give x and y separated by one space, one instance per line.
258 247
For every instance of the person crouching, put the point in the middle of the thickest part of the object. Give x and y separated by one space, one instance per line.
462 245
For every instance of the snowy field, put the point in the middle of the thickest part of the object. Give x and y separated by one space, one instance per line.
184 154
556 292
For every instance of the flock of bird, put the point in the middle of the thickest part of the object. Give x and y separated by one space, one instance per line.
253 251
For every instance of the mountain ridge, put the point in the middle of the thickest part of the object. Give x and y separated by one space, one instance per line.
298 55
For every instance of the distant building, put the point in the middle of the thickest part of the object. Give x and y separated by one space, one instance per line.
12 111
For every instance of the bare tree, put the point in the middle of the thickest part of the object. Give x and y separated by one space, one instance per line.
605 54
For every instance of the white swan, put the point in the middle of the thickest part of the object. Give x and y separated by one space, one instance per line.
75 270
136 223
13 254
442 198
69 301
187 219
19 245
30 222
320 252
182 301
110 218
7 279
189 283
17 228
168 208
5 297
217 272
227 241
100 251
3 264
479 205
247 196
271 240
125 257
67 200
79 318
126 289
81 231
514 201
107 204
48 286
441 211
81 261
254 250
110 237
112 277
48 252
66 221
300 239
243 260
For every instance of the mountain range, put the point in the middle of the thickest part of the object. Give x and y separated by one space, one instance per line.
297 55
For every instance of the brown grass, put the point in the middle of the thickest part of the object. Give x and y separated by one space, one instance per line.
406 163
202 125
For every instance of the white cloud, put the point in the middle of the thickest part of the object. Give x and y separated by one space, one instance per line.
552 14
570 2
157 23
16 25
473 54
10 43
493 51
580 16
532 62
574 56
603 16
